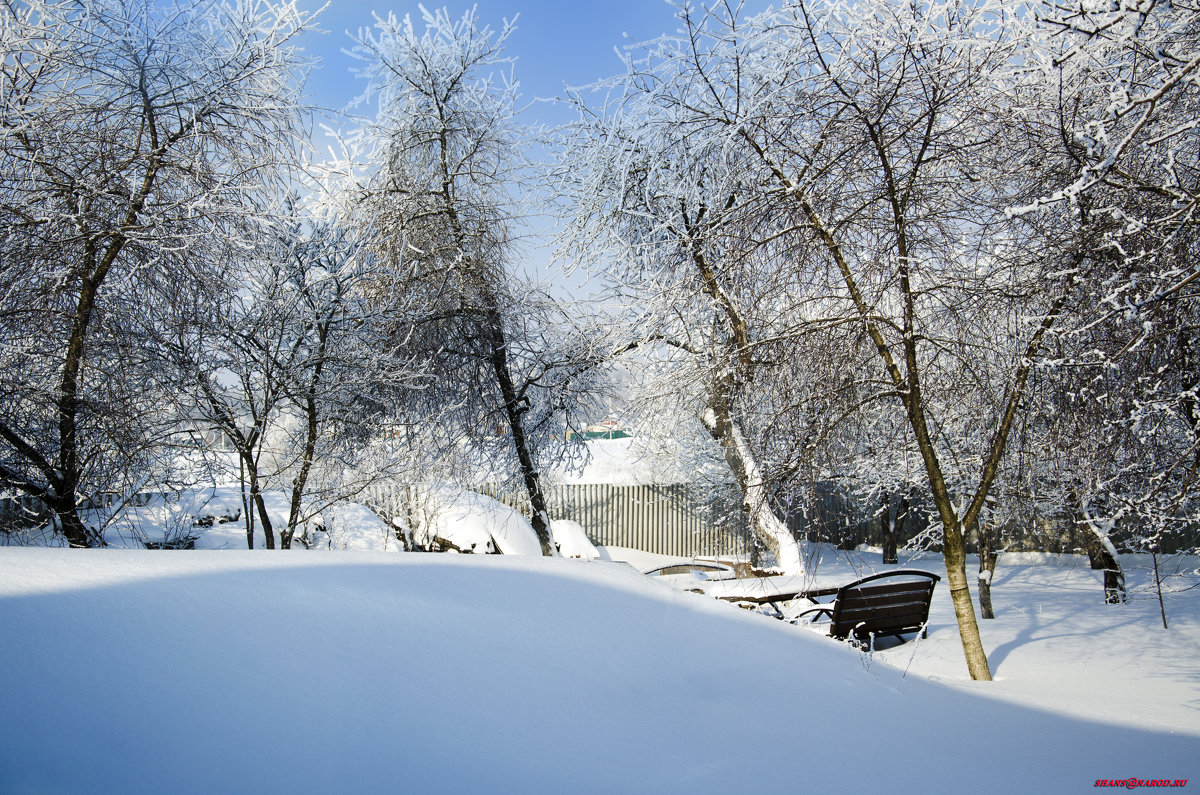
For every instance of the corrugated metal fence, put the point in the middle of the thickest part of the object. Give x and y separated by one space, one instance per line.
21 513
676 519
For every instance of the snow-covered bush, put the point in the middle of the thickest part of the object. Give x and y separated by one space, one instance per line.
571 541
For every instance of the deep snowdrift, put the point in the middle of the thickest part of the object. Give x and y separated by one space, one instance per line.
138 671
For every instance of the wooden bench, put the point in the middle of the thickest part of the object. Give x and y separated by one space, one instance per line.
892 603
776 601
702 569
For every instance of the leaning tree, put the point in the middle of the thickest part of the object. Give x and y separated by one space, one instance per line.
871 149
442 201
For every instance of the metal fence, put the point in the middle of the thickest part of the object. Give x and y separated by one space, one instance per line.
678 519
21 513
684 520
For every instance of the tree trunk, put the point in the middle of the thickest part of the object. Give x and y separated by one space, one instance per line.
301 479
888 528
953 545
1103 557
955 556
254 504
69 472
247 508
767 527
987 568
312 428
69 523
954 548
514 410
268 531
718 418
1162 606
68 476
1102 554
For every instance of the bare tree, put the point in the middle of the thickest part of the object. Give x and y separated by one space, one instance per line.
294 370
130 131
872 148
896 161
233 357
706 304
448 161
1125 78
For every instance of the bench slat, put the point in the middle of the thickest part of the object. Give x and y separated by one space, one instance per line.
880 604
883 613
874 607
889 589
886 625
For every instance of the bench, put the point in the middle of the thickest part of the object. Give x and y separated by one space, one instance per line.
693 567
892 603
777 601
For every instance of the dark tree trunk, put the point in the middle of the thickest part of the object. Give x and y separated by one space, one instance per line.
514 410
1101 559
68 475
264 517
72 527
255 504
1114 577
888 528
987 568
1100 551
515 404
312 429
247 507
69 470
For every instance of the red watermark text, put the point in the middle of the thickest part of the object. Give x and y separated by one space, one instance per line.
1134 783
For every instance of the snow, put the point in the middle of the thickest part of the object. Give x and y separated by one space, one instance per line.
572 541
202 671
160 518
622 462
349 526
471 520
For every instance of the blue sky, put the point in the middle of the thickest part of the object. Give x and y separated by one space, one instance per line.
555 42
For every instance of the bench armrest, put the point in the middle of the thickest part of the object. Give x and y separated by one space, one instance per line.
828 611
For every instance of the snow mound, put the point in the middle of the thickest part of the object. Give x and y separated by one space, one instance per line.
214 519
209 518
572 541
472 673
350 526
476 523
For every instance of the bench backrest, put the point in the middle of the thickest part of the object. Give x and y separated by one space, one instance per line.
883 604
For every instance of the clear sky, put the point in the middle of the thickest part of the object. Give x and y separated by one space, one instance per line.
555 42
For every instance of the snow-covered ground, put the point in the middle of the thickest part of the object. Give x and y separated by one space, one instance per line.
235 671
214 518
623 462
